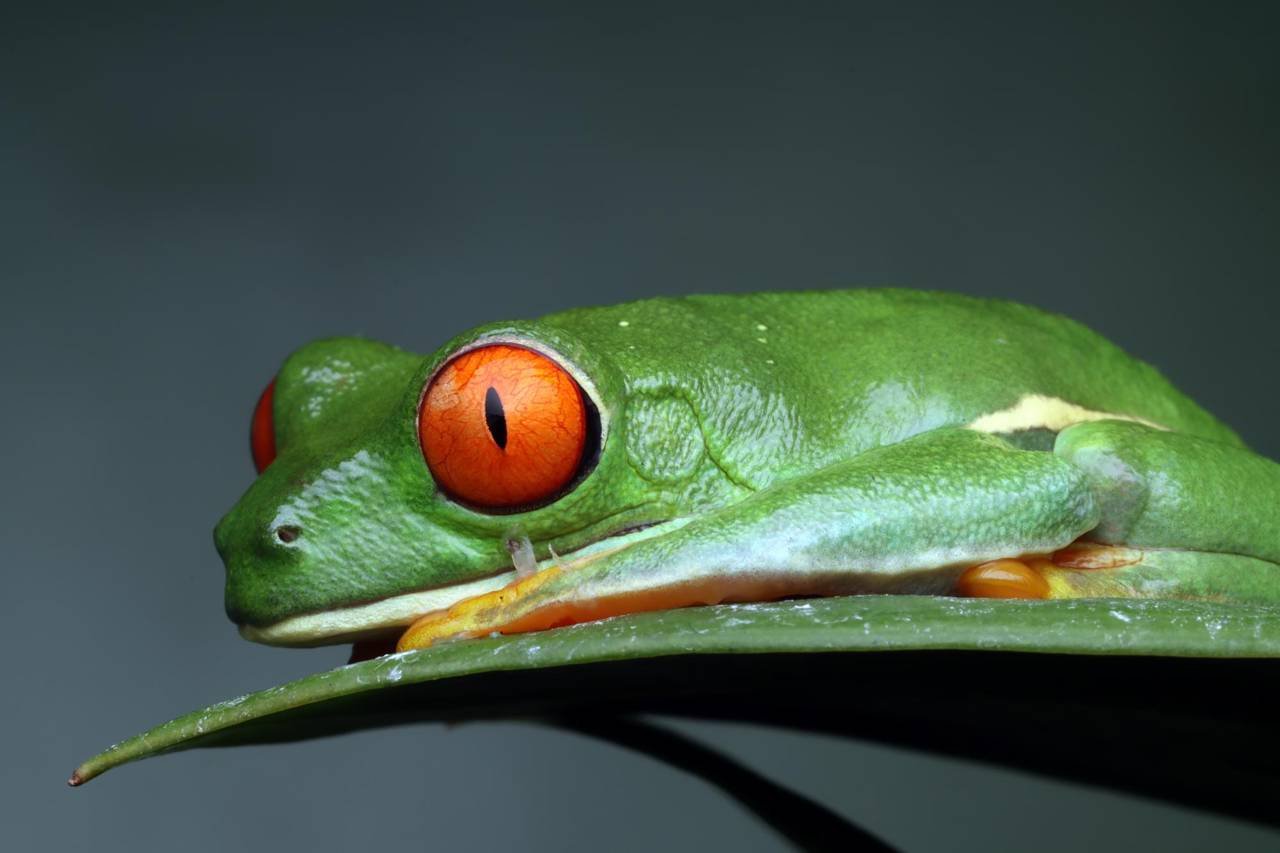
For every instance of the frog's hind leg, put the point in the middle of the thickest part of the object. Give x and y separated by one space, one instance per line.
1091 570
1179 517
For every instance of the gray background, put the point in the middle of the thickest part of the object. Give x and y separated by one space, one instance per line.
186 198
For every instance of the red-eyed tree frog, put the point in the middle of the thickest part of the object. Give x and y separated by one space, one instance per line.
690 451
863 471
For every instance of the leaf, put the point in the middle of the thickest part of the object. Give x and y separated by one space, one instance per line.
1164 697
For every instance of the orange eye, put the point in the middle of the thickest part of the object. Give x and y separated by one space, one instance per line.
262 433
502 426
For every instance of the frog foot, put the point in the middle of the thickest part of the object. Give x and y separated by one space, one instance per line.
533 601
1012 577
554 597
1033 576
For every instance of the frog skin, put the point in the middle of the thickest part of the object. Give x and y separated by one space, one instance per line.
684 451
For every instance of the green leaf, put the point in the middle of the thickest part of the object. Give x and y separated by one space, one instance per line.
857 624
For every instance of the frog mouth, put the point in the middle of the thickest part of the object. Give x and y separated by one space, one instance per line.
372 623
371 619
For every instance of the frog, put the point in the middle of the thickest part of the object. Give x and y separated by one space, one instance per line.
697 450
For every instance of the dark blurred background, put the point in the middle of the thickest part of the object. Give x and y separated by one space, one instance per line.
186 196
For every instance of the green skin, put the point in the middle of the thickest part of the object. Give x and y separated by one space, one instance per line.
821 442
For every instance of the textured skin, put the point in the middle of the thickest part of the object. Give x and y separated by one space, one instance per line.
1165 490
737 423
851 527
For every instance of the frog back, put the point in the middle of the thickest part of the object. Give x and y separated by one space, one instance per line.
785 382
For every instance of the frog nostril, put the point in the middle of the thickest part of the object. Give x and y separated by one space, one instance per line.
287 533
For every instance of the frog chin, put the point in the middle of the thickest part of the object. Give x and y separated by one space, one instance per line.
370 619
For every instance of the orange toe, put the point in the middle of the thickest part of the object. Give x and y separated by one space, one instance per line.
1002 579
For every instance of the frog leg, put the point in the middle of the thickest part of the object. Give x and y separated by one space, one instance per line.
1179 517
905 518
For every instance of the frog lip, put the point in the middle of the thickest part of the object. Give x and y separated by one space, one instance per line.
370 618
380 617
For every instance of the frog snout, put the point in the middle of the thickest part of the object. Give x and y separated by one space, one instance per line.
262 558
231 538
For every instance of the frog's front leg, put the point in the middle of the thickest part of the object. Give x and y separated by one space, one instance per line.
905 518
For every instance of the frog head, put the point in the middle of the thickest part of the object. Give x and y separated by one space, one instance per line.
393 484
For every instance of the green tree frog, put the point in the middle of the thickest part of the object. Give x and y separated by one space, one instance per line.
684 451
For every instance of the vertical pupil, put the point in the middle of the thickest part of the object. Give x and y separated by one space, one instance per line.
495 418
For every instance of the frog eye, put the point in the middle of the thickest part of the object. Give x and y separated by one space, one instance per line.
503 427
262 432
